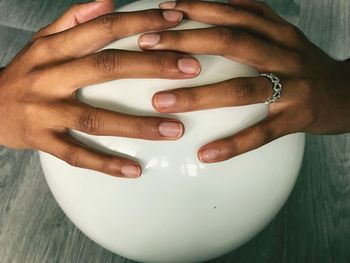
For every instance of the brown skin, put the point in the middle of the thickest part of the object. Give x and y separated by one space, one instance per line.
37 89
316 92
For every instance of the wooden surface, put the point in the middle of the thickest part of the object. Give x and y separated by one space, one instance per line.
313 226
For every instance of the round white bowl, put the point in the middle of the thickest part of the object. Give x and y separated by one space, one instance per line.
179 210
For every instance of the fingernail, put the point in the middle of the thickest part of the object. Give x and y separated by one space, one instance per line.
208 155
189 66
131 171
170 129
167 5
164 100
149 40
172 15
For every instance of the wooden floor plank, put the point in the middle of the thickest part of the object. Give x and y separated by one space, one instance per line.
11 41
32 15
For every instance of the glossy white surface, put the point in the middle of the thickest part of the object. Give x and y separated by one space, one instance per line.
180 210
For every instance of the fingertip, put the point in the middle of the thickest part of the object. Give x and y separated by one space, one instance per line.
91 10
173 16
109 3
148 40
167 5
163 101
208 155
131 170
171 129
189 66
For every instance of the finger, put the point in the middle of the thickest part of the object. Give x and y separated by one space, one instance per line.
233 92
258 7
244 141
229 42
97 33
75 15
116 64
97 121
66 148
231 15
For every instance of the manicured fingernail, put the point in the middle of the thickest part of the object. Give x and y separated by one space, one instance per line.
164 100
149 40
131 171
167 5
172 15
189 66
208 155
170 129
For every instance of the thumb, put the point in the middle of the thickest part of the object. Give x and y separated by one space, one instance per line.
77 14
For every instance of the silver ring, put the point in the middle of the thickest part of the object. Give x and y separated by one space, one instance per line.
276 86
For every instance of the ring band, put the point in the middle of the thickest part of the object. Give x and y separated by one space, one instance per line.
276 86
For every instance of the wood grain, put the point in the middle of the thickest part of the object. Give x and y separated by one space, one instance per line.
313 226
34 14
11 41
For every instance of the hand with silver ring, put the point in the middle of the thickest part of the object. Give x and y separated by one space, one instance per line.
307 91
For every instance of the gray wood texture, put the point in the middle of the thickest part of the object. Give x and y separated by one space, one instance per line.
313 226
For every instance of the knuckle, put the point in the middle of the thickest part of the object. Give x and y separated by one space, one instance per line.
261 136
227 35
37 47
35 80
108 164
237 14
153 18
291 31
228 10
107 61
142 130
296 61
89 121
189 99
175 37
310 117
240 89
306 87
71 156
29 136
148 128
164 63
233 146
265 89
108 23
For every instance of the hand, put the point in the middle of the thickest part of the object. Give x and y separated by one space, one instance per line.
316 91
37 89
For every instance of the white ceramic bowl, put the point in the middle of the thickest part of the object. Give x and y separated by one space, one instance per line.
179 210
